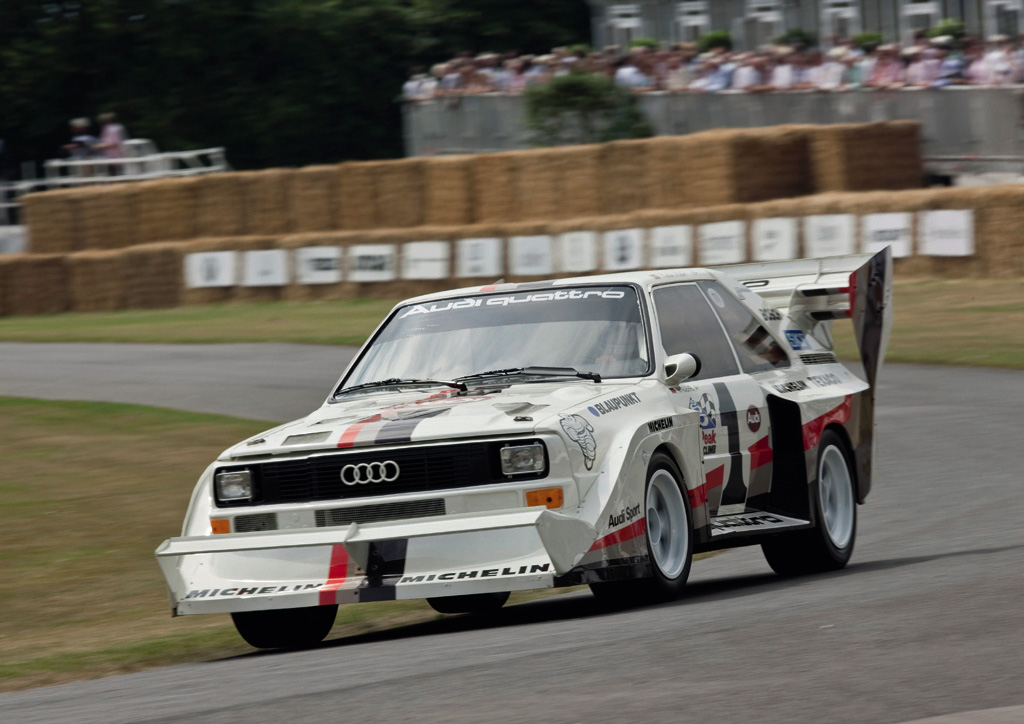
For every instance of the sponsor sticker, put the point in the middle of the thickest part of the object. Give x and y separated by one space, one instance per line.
826 380
478 573
581 432
658 425
796 339
753 418
249 591
771 315
708 422
626 515
614 404
504 301
785 387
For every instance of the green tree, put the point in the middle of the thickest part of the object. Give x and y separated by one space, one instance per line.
582 108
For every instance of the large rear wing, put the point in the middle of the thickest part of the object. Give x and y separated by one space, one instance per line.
811 291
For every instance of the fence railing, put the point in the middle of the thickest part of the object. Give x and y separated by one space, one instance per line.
964 129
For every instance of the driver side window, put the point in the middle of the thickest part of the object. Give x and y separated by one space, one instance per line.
688 325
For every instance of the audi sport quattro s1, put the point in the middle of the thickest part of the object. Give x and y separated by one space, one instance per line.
596 430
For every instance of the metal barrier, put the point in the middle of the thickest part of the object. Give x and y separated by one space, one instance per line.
964 129
144 163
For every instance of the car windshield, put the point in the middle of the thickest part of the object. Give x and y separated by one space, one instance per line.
590 329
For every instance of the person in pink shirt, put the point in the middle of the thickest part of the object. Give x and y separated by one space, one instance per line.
889 71
112 138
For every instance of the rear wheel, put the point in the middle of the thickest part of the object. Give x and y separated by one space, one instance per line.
829 545
286 628
669 534
469 603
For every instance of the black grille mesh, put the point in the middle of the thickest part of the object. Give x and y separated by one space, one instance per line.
380 512
818 358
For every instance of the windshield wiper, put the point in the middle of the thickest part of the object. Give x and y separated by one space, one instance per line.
533 371
400 382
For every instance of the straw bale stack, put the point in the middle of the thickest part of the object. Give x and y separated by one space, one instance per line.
771 163
537 188
306 292
356 196
220 205
96 280
107 216
867 156
266 200
166 210
667 171
34 284
52 222
312 199
493 187
998 219
580 180
449 199
708 166
153 275
400 199
626 184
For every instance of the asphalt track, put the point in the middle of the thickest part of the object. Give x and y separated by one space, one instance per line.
925 622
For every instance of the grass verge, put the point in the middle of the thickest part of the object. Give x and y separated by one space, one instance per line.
938 321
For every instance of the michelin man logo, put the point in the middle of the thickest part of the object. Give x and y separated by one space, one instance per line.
582 433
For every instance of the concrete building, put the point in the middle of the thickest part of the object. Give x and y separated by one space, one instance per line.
757 22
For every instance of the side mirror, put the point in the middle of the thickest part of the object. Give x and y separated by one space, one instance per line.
681 367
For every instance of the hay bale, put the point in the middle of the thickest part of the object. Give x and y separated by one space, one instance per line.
771 163
220 205
536 187
449 199
96 280
312 199
354 208
578 180
34 284
494 188
166 210
51 217
399 193
107 216
667 171
867 156
624 169
266 200
153 275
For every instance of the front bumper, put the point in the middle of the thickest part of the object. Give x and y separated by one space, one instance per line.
454 555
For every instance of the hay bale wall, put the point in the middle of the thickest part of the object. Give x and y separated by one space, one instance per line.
96 280
626 181
866 156
356 196
312 199
447 188
493 188
266 201
107 216
34 284
166 210
771 163
399 193
220 205
152 275
51 219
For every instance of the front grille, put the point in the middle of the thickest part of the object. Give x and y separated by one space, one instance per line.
255 522
818 358
424 469
380 512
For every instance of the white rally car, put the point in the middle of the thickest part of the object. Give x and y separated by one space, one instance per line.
596 430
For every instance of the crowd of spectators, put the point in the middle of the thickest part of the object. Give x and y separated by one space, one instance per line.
928 63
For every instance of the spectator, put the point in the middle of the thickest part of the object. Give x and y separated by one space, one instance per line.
888 71
112 138
419 87
82 141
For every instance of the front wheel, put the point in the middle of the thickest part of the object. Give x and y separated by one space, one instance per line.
669 533
286 628
829 545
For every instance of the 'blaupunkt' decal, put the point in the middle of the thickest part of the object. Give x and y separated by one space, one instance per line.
478 573
614 403
504 301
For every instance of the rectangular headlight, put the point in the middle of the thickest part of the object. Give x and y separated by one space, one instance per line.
521 459
233 486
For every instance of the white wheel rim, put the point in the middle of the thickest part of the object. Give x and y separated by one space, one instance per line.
666 524
836 493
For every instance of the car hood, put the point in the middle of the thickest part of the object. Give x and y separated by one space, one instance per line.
426 414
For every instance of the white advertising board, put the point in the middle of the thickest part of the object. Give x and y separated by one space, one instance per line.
723 242
829 235
774 239
265 268
425 260
372 263
318 265
881 230
479 258
946 233
530 255
577 251
623 249
671 246
211 269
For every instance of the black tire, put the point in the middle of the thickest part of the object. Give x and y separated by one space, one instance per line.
829 545
286 628
669 536
469 603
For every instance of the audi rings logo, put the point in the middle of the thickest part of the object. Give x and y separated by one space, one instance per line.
385 472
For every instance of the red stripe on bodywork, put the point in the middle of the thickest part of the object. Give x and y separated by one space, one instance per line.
760 453
813 429
712 480
348 438
622 535
336 575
